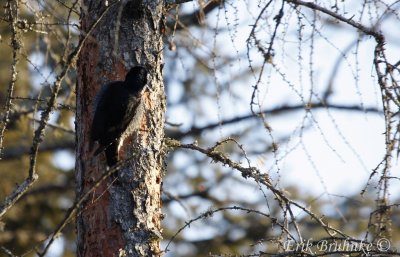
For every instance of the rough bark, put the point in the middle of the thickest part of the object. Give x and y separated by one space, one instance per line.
121 218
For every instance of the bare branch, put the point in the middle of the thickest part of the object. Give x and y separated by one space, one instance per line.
275 111
193 19
177 1
210 213
71 213
18 151
13 8
7 252
369 31
17 193
259 177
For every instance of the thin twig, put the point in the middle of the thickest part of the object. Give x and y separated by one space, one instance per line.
13 7
350 21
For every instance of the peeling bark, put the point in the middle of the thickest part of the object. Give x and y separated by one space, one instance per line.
121 218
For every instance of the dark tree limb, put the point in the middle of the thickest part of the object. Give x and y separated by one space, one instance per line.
193 19
368 31
11 153
12 9
261 178
194 131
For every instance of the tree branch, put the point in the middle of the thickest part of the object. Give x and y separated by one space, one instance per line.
275 111
369 31
16 152
193 19
12 8
177 1
260 178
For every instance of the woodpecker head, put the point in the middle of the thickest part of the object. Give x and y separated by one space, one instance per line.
137 76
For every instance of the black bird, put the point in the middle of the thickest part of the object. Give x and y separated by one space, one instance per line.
118 113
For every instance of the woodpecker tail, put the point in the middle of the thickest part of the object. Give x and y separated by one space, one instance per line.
112 154
111 151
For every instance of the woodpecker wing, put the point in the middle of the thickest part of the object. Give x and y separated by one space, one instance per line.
118 113
110 103
115 109
99 119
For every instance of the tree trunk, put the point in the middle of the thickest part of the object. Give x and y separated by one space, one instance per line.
121 217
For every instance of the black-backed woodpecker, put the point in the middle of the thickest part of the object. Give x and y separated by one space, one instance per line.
119 111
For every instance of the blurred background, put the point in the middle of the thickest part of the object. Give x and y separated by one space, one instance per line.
295 90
